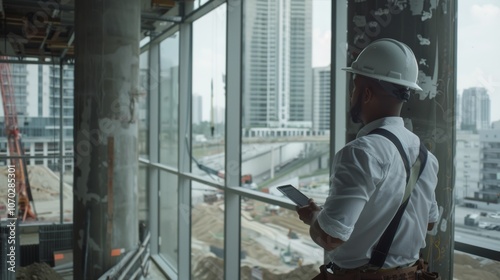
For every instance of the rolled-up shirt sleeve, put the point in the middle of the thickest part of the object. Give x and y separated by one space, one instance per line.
433 213
434 166
355 174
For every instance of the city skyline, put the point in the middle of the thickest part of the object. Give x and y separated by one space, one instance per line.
476 23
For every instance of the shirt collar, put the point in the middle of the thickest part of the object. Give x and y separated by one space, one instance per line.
397 121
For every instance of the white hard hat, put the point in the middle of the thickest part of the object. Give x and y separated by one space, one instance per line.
387 60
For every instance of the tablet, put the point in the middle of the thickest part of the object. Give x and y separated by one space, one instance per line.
294 195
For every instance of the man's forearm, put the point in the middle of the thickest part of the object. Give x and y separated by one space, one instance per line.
322 238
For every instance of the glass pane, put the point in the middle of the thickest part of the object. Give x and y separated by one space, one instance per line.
208 99
38 112
43 192
169 100
68 77
32 96
49 80
168 217
477 177
199 3
207 232
143 117
194 5
68 197
142 182
274 242
286 93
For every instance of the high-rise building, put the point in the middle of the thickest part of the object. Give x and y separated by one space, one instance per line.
38 105
19 83
468 167
321 98
490 143
475 109
277 61
19 74
66 93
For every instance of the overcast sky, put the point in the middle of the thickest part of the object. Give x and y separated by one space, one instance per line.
478 55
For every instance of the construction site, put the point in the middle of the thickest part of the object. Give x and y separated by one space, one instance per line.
146 139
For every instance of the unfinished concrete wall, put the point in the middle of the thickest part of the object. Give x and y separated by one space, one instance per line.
106 155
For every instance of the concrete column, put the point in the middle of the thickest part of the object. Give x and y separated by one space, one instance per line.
106 134
430 31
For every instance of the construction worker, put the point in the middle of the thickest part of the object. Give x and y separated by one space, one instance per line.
369 176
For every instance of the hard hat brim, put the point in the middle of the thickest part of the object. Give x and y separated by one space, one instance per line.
410 85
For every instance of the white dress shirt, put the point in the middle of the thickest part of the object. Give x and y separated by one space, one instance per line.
367 187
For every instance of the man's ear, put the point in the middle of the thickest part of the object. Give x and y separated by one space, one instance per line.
367 95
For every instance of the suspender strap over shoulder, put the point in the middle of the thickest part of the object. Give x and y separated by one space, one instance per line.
389 135
379 253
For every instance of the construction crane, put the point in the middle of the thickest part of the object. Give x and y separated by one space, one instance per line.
15 147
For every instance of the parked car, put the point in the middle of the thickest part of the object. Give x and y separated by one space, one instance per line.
483 225
491 226
495 215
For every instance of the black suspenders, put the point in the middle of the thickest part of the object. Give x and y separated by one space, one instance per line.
379 253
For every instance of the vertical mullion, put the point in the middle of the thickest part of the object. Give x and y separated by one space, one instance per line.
339 60
338 102
61 150
232 207
153 128
184 184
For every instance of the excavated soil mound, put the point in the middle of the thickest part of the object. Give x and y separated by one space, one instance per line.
37 271
299 273
208 224
211 268
468 268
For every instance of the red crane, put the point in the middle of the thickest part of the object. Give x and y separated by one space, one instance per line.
16 151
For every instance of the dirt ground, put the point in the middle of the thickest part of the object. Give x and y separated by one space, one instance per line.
210 268
37 271
45 187
467 267
208 227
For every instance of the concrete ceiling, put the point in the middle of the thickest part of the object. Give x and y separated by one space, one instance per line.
44 29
